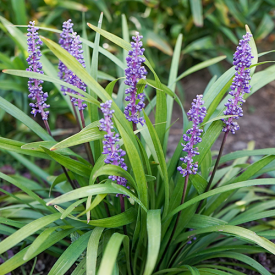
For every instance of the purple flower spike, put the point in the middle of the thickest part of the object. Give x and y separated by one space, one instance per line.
70 42
65 42
196 115
134 73
110 148
240 85
34 85
77 52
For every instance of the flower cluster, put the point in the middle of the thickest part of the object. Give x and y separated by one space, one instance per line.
70 41
110 148
134 73
240 85
65 42
196 115
34 85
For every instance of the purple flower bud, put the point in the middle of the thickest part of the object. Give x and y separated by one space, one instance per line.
110 148
196 115
70 41
34 85
134 73
240 85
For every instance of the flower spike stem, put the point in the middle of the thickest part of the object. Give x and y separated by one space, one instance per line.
122 206
214 170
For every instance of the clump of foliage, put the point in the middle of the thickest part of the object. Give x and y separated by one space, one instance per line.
169 216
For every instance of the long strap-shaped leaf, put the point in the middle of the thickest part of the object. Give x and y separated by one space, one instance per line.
26 231
221 190
154 234
21 116
17 260
107 188
235 230
92 248
161 159
111 252
70 255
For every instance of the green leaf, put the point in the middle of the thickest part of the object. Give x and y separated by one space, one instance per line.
73 165
81 268
111 252
254 51
36 146
17 260
154 238
240 257
201 66
216 118
172 76
31 252
54 80
98 199
70 255
196 8
115 170
92 248
221 190
71 208
136 164
121 219
265 28
23 188
202 221
15 146
21 116
161 160
72 5
246 153
107 188
19 8
26 231
83 136
235 230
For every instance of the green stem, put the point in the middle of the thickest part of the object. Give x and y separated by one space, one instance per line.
122 206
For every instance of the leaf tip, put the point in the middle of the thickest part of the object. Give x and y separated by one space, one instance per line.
4 71
247 28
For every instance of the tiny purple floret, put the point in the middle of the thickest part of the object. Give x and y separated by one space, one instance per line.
69 40
110 148
134 73
196 115
34 85
240 85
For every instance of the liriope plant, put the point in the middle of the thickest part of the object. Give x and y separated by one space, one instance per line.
129 209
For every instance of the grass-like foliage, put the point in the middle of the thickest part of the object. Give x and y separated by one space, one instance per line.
123 206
